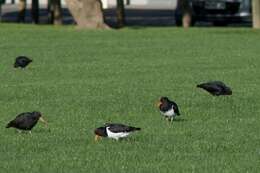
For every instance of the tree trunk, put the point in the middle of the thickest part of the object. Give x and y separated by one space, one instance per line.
50 12
0 12
55 12
35 11
87 13
186 12
1 3
120 13
22 10
256 13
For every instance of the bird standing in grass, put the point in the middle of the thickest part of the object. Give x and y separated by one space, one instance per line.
216 88
26 121
169 109
22 61
114 131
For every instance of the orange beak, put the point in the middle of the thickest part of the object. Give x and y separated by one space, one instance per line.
97 137
42 120
158 104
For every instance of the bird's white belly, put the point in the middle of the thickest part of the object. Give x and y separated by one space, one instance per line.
169 113
116 135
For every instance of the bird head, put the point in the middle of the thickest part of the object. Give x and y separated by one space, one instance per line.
38 115
100 132
199 86
162 100
16 65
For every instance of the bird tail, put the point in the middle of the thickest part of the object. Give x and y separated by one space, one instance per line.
199 86
9 125
136 128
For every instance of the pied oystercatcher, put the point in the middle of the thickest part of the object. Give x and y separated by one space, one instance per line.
114 131
169 109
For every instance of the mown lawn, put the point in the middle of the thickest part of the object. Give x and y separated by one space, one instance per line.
80 80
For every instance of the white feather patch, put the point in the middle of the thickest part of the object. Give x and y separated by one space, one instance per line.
169 113
116 135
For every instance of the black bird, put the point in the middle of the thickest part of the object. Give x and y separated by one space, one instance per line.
26 121
114 131
169 109
216 88
22 61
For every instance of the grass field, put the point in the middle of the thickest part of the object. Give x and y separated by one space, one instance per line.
80 80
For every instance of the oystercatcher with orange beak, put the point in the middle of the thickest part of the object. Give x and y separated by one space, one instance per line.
169 109
114 131
26 121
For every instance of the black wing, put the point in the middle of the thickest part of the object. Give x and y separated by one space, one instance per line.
176 108
225 90
212 88
23 58
22 61
20 119
164 107
116 128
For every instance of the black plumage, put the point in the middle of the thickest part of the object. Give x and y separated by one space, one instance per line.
169 109
114 131
26 121
216 88
117 128
22 61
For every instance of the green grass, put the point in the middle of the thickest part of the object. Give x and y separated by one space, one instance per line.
82 79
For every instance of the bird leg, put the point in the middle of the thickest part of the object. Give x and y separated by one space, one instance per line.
18 131
170 119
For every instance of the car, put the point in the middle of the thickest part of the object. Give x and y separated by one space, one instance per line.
220 12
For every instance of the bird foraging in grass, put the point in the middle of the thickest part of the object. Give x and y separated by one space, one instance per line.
114 131
26 121
216 88
169 109
22 61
